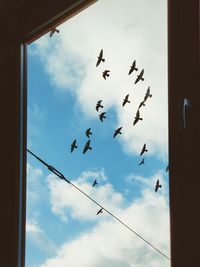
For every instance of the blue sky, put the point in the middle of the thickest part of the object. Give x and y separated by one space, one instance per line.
63 88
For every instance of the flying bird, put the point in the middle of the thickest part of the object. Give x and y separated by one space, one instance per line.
139 77
88 132
147 94
143 150
94 183
118 131
133 67
157 185
98 105
102 116
141 104
106 74
73 145
100 58
87 146
137 117
125 100
142 162
100 211
53 31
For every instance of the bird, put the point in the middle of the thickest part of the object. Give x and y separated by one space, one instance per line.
100 58
98 105
106 74
139 77
94 183
167 168
133 67
157 185
86 147
73 145
137 117
147 94
125 100
143 150
141 104
100 211
102 116
118 131
53 31
88 132
142 162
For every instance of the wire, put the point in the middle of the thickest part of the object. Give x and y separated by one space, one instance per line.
61 176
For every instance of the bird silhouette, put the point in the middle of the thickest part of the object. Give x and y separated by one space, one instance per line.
100 58
118 131
143 150
167 168
53 31
125 100
137 117
141 162
133 67
100 211
87 146
94 183
102 116
73 145
98 105
106 74
157 185
147 94
141 104
88 132
139 77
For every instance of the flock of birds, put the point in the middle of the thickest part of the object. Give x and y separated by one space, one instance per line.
102 115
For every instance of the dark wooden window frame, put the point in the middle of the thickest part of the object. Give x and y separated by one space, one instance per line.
21 23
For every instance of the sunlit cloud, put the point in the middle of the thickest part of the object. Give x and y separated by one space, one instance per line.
70 61
109 242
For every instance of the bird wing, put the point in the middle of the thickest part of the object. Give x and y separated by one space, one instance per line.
141 73
101 54
131 70
98 62
85 149
51 33
135 121
104 75
137 80
156 188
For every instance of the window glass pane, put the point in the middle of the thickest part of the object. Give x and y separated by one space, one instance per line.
114 52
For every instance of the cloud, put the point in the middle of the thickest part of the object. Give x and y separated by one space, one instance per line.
38 237
67 201
108 242
137 30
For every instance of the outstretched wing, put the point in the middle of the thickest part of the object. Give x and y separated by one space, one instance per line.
99 57
137 79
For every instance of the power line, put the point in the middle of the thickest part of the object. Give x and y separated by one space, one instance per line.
61 176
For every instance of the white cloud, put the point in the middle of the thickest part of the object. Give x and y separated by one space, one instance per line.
136 30
34 176
109 243
67 201
38 237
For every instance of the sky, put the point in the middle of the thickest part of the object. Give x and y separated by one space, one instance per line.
64 86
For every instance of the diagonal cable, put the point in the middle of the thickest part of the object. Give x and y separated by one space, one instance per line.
61 176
